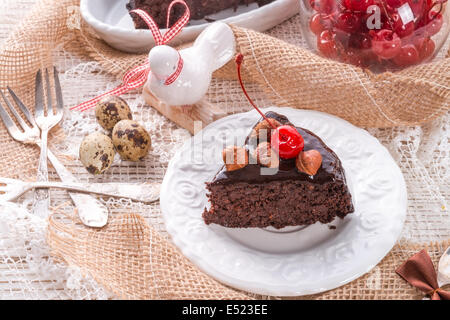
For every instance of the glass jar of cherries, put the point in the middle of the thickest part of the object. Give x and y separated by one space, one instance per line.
376 34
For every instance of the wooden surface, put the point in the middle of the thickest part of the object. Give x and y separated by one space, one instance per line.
186 117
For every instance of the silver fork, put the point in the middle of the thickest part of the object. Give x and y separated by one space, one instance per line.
45 121
11 189
91 211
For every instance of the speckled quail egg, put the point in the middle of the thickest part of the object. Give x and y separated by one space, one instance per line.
131 140
97 152
110 110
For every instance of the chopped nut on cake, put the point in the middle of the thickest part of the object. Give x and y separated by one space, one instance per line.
235 158
265 155
264 125
309 162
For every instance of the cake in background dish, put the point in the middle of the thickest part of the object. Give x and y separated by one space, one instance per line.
199 9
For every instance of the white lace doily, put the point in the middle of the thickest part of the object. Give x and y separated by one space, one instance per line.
26 271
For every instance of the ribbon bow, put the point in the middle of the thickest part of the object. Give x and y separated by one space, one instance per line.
137 77
420 273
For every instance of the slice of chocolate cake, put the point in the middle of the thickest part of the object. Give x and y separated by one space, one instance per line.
199 9
301 191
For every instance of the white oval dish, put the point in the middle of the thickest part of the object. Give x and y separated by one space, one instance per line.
111 21
297 262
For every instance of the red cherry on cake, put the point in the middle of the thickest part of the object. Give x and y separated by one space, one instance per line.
435 22
385 43
349 22
287 142
326 44
408 56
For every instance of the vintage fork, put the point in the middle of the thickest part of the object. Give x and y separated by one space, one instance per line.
45 121
90 210
11 189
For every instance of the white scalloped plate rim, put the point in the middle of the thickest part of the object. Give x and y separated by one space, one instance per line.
379 245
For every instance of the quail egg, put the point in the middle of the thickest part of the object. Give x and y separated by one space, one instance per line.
110 110
131 140
97 153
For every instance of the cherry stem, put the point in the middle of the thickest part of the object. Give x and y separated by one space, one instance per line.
440 8
388 15
239 60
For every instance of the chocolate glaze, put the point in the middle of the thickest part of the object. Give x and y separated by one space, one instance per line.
330 171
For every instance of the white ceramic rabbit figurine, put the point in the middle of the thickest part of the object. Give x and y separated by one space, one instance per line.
214 47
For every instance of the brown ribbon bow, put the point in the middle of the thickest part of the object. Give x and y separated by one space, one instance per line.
420 273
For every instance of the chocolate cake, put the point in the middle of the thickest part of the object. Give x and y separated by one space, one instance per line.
297 194
199 9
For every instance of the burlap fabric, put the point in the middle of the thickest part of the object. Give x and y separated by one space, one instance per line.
129 257
138 262
132 260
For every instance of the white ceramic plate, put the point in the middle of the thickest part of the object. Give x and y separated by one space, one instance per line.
297 261
111 21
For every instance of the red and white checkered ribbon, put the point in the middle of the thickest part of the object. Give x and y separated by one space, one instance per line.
137 77
171 79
